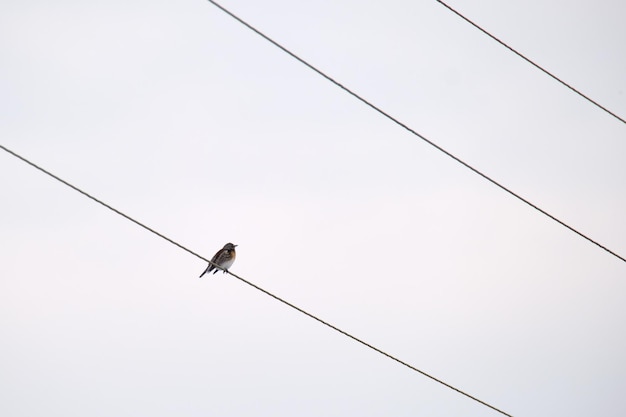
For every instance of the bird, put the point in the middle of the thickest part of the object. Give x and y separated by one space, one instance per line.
223 258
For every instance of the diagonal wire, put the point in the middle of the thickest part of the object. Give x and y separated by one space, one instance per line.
407 128
539 67
287 303
102 203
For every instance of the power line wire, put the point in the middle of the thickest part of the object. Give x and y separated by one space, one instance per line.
407 128
539 67
287 303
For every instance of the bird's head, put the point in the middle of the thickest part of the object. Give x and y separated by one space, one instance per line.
229 246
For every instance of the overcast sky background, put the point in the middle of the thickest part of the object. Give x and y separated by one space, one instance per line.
179 116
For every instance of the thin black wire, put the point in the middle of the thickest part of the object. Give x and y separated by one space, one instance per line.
104 204
519 54
287 303
399 123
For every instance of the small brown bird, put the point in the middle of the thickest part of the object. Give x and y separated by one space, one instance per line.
224 258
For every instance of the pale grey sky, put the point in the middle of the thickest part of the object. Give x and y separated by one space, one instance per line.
179 116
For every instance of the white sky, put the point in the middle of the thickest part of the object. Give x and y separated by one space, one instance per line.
179 116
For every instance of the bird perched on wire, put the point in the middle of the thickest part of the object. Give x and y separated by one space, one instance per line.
224 258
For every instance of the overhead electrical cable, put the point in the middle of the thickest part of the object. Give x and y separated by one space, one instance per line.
287 303
539 67
407 128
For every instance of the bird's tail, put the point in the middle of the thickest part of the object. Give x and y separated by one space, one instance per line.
208 269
